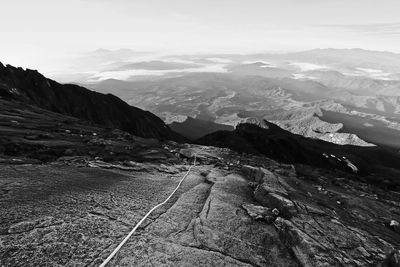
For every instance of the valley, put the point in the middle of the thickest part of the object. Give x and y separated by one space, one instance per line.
274 87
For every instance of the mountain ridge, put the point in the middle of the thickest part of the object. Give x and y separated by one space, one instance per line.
31 87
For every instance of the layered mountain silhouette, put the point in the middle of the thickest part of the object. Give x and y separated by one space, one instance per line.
30 87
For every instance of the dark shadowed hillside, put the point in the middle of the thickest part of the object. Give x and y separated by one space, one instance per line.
286 147
195 128
31 87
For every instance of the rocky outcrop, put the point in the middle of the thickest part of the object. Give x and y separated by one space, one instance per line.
327 242
227 212
261 212
270 192
316 234
208 226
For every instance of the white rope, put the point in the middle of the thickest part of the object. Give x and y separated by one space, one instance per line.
106 261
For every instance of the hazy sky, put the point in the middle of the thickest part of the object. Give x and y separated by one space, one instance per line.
43 34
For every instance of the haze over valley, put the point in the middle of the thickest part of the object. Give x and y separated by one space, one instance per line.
320 93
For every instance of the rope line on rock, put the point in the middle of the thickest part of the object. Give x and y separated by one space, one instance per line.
106 261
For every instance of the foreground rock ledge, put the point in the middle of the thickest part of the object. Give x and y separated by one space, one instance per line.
59 214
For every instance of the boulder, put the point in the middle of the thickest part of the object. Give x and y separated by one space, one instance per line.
259 212
253 173
186 153
395 225
274 200
272 186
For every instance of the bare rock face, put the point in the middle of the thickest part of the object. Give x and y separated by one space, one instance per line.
327 228
76 210
256 212
207 226
330 243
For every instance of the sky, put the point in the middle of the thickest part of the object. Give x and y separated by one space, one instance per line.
46 34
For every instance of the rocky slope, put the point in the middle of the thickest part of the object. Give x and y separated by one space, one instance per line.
74 212
31 87
378 165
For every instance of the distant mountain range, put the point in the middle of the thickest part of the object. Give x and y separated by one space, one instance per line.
229 89
226 98
104 64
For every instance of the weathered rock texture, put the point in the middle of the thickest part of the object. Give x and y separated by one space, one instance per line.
70 192
336 225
